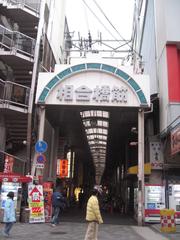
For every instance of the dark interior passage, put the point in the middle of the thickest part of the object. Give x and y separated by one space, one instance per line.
119 154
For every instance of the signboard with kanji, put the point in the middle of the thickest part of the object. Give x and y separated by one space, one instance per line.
156 159
63 168
175 141
36 203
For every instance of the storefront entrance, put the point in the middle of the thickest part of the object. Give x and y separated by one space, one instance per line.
94 112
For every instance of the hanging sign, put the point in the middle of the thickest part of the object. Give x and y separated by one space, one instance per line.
36 203
40 161
41 146
8 164
175 141
155 155
63 168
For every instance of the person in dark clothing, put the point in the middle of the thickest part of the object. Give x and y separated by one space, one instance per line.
58 204
81 199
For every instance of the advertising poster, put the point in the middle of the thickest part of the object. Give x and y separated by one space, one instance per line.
36 203
48 204
8 164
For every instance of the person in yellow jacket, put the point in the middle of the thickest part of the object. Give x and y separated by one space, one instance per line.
93 215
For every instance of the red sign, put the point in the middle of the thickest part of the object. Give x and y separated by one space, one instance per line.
63 168
175 141
47 192
35 194
14 177
8 165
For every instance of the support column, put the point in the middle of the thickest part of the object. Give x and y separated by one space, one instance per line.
40 135
140 167
41 123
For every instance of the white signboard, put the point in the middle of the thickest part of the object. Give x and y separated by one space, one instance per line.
93 89
36 203
99 94
155 155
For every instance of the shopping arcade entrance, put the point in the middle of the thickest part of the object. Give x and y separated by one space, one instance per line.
96 87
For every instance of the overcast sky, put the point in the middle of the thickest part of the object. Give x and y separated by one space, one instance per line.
81 17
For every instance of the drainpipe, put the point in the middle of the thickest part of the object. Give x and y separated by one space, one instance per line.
33 87
140 167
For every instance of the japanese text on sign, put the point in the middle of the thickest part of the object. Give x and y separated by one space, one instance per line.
98 94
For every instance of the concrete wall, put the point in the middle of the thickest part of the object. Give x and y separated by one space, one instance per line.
55 31
172 14
148 49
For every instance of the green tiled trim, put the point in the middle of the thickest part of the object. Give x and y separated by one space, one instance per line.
78 68
43 95
133 84
98 67
108 68
64 73
141 97
52 82
122 74
93 65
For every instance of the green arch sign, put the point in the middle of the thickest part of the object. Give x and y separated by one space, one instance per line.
93 67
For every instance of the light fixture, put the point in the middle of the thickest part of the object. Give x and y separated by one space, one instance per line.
133 143
134 130
93 122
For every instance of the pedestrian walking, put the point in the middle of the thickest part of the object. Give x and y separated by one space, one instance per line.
9 214
81 199
58 204
93 215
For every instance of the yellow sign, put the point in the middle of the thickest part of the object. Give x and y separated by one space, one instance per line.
168 220
134 169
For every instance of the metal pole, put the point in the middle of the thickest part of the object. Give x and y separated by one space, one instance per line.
140 167
33 87
40 134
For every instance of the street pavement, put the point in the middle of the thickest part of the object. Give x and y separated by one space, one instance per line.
76 231
171 236
73 227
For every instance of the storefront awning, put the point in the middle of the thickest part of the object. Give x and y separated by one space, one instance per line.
134 169
14 177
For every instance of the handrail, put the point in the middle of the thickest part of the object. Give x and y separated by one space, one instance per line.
31 4
14 40
14 93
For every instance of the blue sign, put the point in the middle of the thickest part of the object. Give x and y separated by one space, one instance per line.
41 146
151 205
41 158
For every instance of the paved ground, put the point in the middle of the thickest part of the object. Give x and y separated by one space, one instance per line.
73 227
171 236
76 231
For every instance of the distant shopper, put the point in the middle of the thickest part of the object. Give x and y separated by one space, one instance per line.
9 214
93 215
58 204
81 198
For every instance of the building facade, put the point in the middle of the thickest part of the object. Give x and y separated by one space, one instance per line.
157 40
31 41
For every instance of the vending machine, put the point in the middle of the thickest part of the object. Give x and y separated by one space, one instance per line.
154 202
174 200
7 187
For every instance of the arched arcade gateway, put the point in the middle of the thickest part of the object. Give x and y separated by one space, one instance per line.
93 107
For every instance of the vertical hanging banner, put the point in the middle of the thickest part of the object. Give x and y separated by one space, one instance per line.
156 159
36 203
175 141
8 164
63 168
